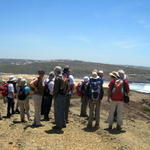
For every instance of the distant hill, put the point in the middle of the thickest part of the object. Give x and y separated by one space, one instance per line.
79 68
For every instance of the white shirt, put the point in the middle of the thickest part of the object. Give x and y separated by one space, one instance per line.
71 79
50 86
10 90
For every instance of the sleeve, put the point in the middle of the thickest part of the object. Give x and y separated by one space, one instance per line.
51 87
71 80
11 88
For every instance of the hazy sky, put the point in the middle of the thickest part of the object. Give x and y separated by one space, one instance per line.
107 31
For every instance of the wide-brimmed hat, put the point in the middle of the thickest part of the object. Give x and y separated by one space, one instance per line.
94 75
12 79
114 74
101 71
57 69
51 74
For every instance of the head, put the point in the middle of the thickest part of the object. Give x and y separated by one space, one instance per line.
121 74
66 71
86 79
100 73
51 75
12 79
57 70
41 73
94 75
23 82
114 75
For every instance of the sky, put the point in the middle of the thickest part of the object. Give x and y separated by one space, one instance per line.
110 31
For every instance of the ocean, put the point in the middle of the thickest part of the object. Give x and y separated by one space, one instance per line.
140 87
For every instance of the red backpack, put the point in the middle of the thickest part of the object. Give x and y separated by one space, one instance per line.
4 89
118 90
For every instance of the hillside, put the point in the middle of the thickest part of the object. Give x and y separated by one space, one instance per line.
79 68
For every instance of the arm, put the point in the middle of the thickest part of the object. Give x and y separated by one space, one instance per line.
33 83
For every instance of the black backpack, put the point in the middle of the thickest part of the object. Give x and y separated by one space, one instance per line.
22 94
46 89
95 89
84 88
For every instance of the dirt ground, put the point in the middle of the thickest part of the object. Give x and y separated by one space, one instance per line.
134 136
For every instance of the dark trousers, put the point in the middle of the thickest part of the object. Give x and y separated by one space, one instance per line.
60 110
67 105
46 105
10 106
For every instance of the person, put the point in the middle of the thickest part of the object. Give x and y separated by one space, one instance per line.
61 86
48 96
37 86
84 96
23 92
115 97
101 75
95 96
70 78
121 76
17 111
10 96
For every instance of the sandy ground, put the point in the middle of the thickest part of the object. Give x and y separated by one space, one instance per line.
134 136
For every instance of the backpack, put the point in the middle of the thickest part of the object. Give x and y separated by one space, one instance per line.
22 93
46 89
63 85
78 89
84 88
4 89
95 87
117 88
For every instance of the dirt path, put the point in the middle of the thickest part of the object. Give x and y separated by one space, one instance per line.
135 134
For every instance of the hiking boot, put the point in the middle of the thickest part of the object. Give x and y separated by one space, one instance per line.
89 125
118 127
17 111
84 115
97 126
64 126
8 116
110 127
57 128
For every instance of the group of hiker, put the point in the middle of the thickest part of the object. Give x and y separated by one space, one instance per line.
59 88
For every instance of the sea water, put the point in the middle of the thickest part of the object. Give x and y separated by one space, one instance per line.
140 87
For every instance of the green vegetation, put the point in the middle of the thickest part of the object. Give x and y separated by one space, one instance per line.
79 68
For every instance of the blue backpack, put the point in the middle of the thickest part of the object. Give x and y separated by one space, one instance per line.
95 87
22 93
